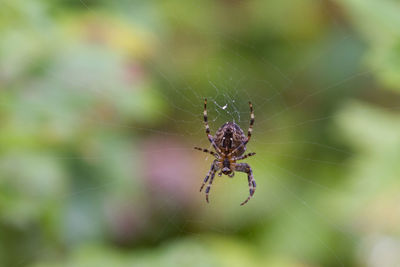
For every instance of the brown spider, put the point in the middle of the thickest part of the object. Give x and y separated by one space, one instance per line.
229 143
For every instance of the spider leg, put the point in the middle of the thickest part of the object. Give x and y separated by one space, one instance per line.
207 151
209 136
250 130
245 156
244 167
210 172
212 175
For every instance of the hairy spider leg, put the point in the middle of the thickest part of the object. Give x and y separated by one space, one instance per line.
249 131
244 167
212 175
207 151
244 156
209 136
210 172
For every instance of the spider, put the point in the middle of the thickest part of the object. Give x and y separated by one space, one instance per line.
229 143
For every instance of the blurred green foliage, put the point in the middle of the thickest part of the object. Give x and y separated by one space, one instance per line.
101 104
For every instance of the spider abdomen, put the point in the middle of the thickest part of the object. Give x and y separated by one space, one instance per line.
230 137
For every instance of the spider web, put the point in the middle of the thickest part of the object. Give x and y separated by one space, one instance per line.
228 91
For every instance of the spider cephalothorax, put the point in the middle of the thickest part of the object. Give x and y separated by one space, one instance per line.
229 143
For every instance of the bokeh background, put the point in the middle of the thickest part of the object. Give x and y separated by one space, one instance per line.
101 105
